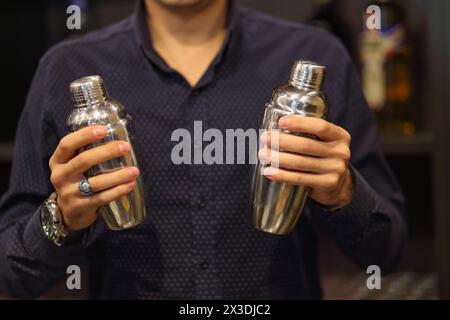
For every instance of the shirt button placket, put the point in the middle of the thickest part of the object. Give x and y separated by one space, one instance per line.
203 221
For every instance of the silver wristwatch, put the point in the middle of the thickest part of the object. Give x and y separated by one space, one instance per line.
51 221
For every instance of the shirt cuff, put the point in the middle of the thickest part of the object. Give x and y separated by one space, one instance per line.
44 250
353 216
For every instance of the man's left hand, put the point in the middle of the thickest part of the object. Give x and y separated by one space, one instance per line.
320 164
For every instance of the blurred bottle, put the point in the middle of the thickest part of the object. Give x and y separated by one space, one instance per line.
385 55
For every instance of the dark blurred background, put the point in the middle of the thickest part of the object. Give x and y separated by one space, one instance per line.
411 110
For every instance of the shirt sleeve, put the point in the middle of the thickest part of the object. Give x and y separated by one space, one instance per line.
29 262
370 229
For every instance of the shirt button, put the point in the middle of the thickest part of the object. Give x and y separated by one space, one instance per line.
204 265
201 203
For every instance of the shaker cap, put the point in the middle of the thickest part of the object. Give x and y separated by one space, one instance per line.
88 91
307 74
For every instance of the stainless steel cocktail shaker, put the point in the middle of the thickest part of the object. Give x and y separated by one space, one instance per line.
92 105
277 206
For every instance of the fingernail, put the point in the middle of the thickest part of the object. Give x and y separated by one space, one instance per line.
262 156
132 184
270 171
133 171
284 122
99 131
124 147
264 138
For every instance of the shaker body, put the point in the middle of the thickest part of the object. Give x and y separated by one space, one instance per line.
129 210
276 206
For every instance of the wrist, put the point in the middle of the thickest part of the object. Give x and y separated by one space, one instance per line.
52 221
344 194
72 222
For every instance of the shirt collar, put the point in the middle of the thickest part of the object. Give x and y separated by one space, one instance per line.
144 41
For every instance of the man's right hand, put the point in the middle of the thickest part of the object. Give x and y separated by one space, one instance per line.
67 170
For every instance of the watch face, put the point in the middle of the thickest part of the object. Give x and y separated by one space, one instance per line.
47 221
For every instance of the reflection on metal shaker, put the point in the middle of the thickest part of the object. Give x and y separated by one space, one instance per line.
277 206
92 105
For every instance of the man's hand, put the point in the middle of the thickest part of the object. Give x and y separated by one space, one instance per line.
67 170
320 164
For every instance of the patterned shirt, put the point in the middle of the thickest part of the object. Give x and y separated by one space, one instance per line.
197 241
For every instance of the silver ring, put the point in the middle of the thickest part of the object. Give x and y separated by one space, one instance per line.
85 187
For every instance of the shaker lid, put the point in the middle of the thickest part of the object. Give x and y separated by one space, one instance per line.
87 91
307 74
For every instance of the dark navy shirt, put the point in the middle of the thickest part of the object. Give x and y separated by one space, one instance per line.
197 241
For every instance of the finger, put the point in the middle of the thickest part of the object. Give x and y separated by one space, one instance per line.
112 179
325 130
107 180
324 182
108 195
89 158
71 143
298 162
292 143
